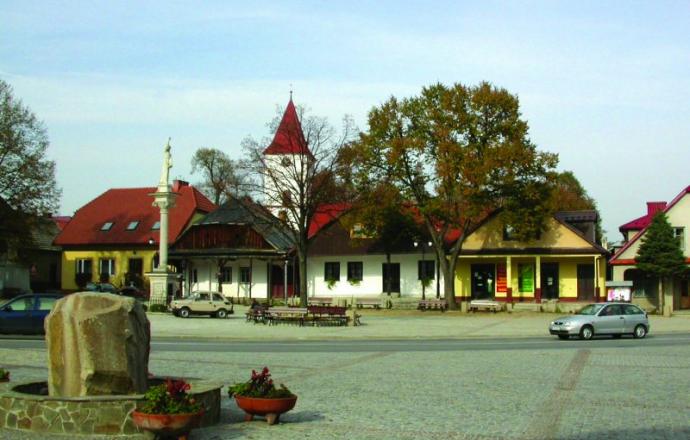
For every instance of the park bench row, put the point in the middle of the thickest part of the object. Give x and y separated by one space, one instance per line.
359 302
315 315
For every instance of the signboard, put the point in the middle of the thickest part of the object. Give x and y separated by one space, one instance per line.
618 294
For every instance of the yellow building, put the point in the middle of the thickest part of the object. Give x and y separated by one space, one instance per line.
114 238
563 264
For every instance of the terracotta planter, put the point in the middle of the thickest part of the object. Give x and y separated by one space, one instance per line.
167 424
270 408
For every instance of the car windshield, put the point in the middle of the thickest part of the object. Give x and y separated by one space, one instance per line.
591 309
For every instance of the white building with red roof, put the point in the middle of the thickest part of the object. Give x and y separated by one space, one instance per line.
623 264
115 236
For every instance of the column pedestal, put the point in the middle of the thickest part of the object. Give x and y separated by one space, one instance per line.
161 283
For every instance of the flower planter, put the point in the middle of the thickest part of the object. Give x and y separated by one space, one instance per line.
167 424
270 408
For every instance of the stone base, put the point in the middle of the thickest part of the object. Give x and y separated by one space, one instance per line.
159 286
26 407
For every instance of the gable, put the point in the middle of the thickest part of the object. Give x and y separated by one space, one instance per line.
556 238
678 214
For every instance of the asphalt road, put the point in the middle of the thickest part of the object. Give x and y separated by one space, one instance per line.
159 345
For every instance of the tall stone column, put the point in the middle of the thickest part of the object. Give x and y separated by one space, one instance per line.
161 280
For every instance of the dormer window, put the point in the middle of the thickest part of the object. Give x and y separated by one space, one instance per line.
156 226
107 226
132 225
508 233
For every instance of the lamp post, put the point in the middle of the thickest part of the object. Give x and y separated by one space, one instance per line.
423 274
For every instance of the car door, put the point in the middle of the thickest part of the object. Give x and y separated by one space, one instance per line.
610 320
632 316
203 303
43 306
16 315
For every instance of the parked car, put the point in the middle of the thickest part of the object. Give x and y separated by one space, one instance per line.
101 287
26 313
202 303
615 319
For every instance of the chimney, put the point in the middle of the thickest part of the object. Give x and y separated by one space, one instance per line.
654 207
177 184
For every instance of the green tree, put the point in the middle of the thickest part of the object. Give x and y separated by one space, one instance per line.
221 175
568 194
381 217
660 255
27 176
457 153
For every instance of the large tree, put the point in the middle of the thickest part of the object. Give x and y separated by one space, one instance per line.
660 255
221 175
301 181
568 194
458 153
27 176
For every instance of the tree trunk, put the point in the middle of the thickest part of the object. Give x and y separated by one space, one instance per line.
302 259
660 295
388 271
448 269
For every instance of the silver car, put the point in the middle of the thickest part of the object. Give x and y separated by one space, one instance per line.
614 319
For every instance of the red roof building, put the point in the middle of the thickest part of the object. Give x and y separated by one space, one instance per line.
117 233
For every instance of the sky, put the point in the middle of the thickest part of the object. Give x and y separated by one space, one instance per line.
605 85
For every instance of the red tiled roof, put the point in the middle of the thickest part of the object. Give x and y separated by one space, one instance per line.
325 215
645 220
124 205
614 260
289 138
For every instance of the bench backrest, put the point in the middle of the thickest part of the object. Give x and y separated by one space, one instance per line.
326 310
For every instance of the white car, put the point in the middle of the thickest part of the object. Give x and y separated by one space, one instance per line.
203 303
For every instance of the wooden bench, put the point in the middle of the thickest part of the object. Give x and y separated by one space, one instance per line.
276 315
432 304
320 301
257 314
328 315
484 304
375 303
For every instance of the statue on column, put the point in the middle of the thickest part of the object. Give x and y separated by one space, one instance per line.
167 164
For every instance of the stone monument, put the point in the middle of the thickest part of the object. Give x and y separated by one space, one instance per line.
97 345
161 280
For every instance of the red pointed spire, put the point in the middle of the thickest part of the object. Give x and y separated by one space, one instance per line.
289 138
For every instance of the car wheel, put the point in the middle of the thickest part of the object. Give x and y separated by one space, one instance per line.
586 332
563 337
640 332
222 314
184 312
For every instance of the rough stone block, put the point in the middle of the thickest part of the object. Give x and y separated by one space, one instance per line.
97 345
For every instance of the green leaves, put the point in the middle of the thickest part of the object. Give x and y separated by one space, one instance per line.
660 253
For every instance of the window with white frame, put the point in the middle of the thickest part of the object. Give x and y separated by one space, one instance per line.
679 234
245 275
226 275
106 266
84 265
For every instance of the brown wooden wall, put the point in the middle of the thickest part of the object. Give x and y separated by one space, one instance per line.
221 237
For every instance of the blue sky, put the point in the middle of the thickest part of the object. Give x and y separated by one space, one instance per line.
606 85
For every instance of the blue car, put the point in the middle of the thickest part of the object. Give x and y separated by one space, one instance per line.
26 313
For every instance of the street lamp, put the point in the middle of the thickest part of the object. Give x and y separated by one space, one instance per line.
423 267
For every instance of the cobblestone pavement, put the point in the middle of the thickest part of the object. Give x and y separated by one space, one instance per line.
578 393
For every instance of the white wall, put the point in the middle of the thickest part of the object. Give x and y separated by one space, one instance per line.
372 280
208 280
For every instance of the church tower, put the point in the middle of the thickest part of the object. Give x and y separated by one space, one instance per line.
287 160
